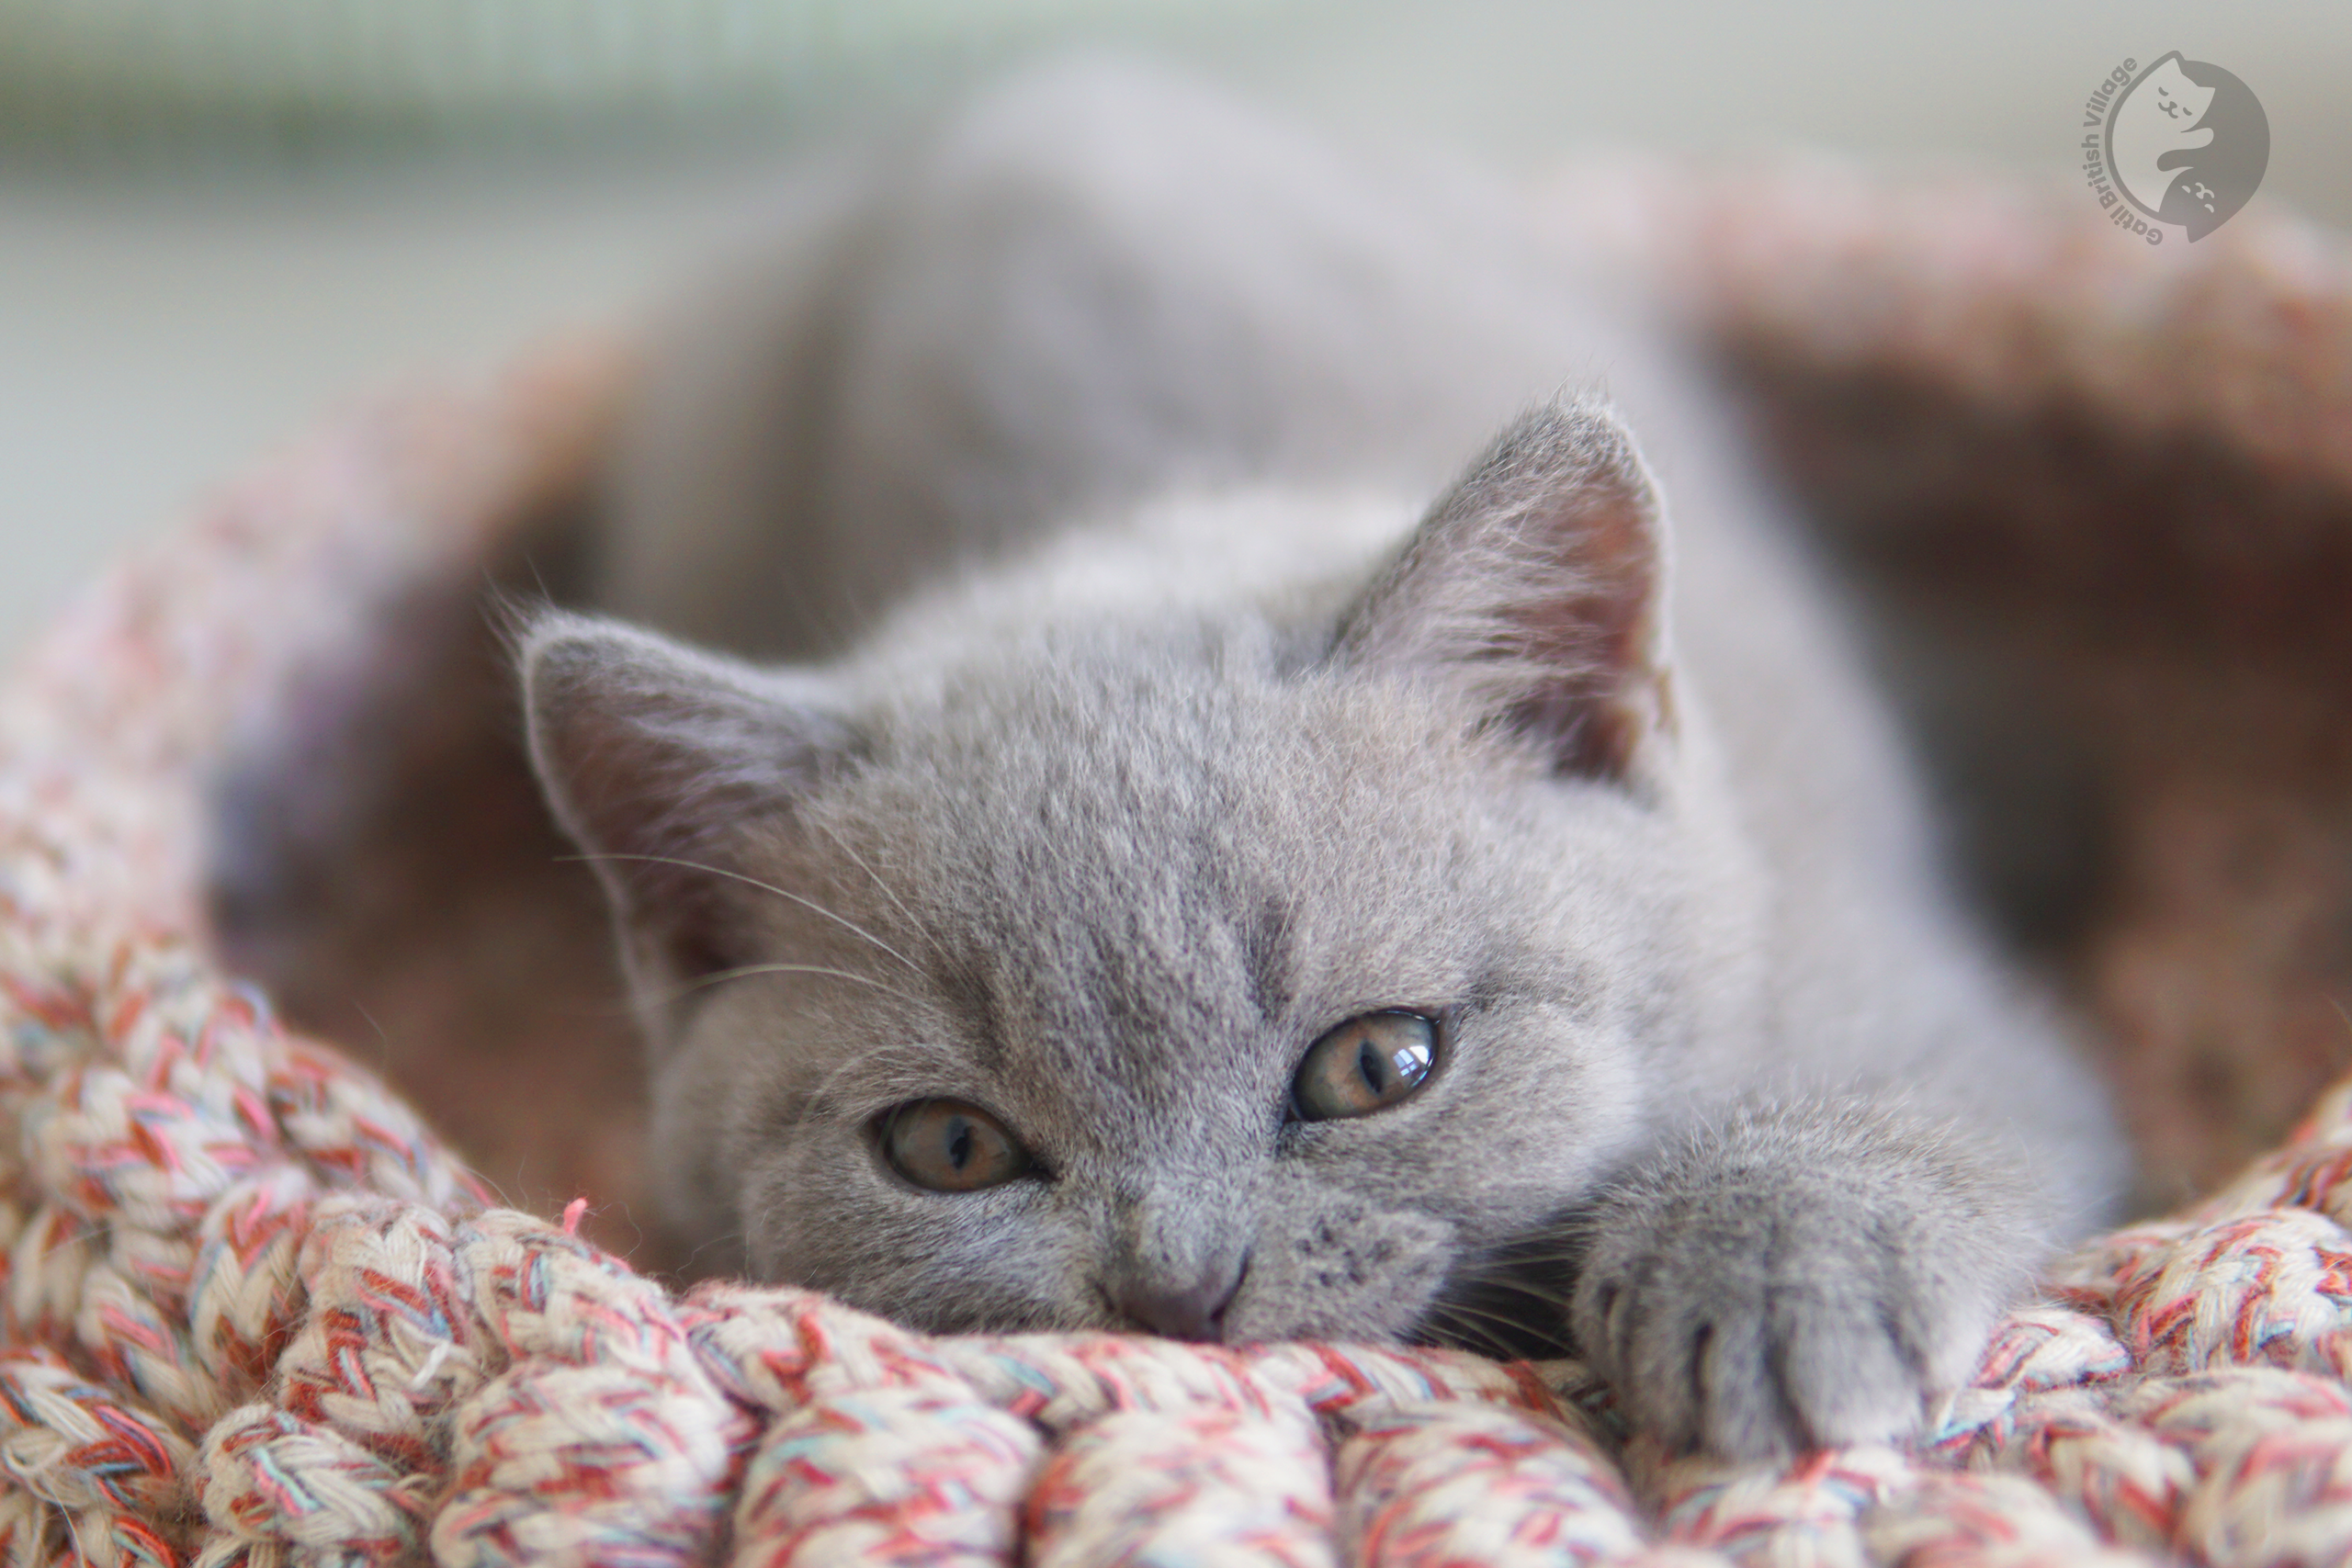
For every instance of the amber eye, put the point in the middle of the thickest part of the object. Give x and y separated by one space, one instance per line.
1367 1064
950 1147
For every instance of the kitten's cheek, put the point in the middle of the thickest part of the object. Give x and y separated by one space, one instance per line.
1344 1275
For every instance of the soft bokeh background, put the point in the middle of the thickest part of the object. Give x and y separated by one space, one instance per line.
219 218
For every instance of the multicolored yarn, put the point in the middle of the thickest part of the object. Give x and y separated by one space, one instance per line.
252 1312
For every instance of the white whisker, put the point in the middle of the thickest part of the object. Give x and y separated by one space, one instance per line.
748 970
896 902
809 904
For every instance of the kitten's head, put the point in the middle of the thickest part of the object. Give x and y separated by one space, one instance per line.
1241 965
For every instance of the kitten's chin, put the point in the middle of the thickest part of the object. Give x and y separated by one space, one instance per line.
1496 1325
1510 1302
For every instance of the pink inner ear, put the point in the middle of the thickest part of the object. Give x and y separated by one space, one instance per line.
1596 634
1538 581
632 810
657 761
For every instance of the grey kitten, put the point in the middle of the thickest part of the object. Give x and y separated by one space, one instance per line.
1185 880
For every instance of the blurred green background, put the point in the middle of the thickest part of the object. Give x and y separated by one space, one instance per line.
220 219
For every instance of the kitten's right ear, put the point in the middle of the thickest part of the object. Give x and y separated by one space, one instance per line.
660 762
1536 587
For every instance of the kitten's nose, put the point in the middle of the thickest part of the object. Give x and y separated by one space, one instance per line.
1194 1311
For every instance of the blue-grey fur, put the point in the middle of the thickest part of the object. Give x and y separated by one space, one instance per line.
1070 455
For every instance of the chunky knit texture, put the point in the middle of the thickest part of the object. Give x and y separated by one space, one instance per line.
251 1312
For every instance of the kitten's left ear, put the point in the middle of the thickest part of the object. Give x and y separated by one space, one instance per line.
662 762
1538 584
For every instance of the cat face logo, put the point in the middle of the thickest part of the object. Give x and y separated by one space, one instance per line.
2186 144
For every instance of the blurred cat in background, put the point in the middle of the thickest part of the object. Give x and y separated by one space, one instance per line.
1292 784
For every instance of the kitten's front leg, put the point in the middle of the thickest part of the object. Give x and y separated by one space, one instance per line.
1800 1275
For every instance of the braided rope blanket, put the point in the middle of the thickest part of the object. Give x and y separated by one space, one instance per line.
253 1312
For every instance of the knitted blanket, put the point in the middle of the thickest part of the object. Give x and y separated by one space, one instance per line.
251 1309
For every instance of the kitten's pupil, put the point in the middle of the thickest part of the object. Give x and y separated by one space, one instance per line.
947 1145
1368 1064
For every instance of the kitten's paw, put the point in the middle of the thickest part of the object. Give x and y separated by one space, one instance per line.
1762 1310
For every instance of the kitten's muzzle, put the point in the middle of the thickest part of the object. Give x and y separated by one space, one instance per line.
1193 1311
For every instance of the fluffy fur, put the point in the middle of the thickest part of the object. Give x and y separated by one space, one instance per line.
1144 719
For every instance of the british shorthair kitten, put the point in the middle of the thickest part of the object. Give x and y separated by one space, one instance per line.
1259 814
